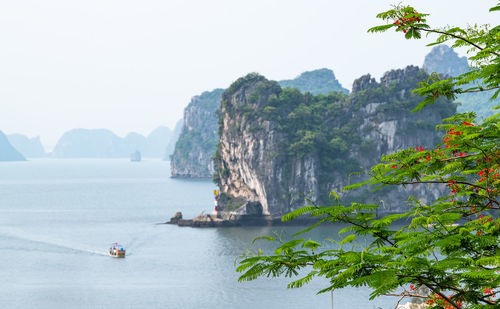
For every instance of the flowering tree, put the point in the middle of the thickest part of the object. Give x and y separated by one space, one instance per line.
450 245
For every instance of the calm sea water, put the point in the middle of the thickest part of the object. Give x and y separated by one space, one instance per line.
58 217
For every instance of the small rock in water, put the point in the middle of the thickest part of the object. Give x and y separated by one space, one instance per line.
175 219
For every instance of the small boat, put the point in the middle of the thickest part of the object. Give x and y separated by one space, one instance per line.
116 250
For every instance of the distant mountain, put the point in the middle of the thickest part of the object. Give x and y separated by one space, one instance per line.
7 152
84 143
444 60
173 140
135 142
28 147
102 143
157 142
195 148
320 81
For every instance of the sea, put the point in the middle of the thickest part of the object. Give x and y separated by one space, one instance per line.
58 218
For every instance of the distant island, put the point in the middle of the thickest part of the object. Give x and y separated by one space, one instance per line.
28 147
7 151
103 143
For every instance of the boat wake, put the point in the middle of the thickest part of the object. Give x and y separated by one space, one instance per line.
49 242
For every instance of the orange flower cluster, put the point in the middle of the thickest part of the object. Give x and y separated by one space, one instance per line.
439 300
484 220
405 20
484 173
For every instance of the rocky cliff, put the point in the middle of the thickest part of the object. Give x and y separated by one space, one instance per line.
7 152
280 148
196 145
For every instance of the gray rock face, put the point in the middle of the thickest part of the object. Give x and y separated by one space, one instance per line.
363 83
29 147
7 152
400 77
260 166
192 157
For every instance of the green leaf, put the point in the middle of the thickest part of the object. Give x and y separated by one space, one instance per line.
348 239
337 197
268 238
382 28
311 244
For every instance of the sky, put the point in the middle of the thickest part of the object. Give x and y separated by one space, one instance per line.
134 65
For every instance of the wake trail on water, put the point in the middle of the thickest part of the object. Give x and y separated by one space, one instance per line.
139 240
50 242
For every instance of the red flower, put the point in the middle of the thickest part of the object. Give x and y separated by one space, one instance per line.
394 166
467 124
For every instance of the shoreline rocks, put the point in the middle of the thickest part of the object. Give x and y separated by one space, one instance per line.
231 219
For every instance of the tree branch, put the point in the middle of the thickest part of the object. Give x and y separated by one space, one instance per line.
479 90
443 182
456 37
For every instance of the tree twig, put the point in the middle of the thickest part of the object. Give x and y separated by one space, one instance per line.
479 90
456 37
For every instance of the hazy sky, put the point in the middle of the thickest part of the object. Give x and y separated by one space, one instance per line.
134 65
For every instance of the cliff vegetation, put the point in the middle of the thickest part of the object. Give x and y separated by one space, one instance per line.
280 147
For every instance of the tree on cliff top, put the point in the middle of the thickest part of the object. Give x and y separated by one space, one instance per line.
450 245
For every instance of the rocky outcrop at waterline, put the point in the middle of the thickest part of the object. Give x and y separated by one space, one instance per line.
280 149
231 218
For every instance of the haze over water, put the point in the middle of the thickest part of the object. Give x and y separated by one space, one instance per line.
58 217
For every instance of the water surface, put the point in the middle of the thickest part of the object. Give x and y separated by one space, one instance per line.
58 217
